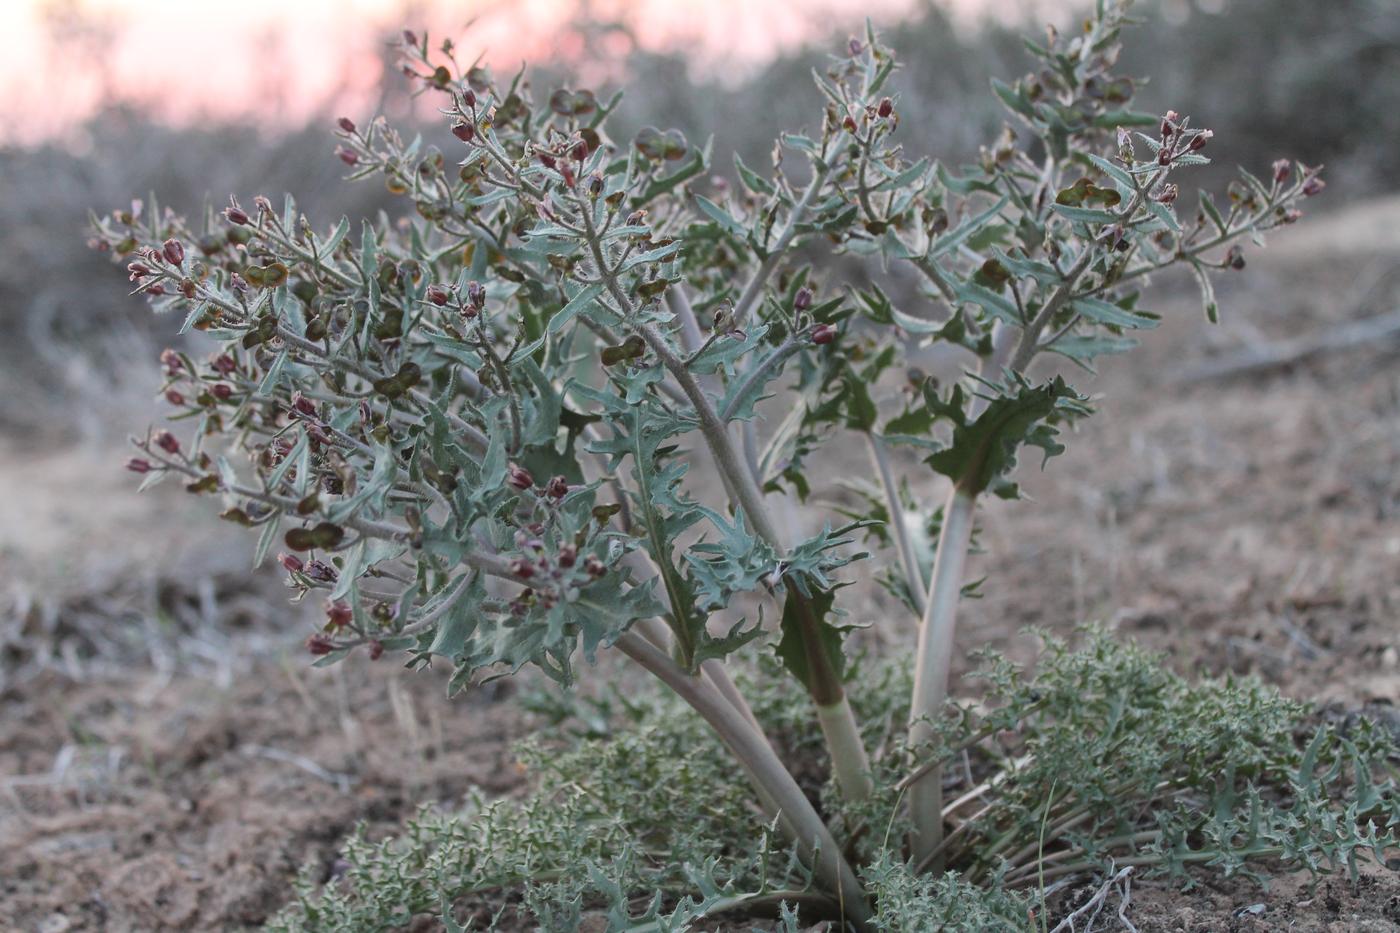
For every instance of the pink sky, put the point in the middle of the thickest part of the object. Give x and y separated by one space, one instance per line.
184 59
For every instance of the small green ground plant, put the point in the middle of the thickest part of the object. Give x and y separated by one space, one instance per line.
546 414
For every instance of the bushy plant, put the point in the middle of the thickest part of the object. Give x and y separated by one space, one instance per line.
522 423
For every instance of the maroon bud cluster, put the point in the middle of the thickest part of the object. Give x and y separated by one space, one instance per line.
338 613
167 442
320 644
171 361
519 477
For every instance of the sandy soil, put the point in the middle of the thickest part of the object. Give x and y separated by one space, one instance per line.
178 773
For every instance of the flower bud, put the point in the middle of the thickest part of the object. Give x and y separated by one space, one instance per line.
174 251
1199 141
519 477
346 124
595 184
320 644
410 37
338 613
464 131
303 405
235 215
174 397
290 562
476 294
347 156
803 299
1282 169
469 98
438 295
886 108
1234 258
156 289
222 391
595 567
568 554
171 361
558 487
1167 195
138 465
854 46
1313 186
522 568
167 442
1290 216
849 124
223 364
139 270
823 334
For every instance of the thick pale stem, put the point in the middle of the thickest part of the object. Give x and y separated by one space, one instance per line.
933 659
764 769
848 759
913 576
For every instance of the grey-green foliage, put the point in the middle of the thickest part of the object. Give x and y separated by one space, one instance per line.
1223 775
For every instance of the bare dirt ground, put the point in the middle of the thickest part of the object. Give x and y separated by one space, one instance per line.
169 761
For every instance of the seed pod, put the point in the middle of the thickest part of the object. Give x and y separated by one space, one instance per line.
1234 258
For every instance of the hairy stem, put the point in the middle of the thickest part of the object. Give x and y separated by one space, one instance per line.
764 769
933 659
913 577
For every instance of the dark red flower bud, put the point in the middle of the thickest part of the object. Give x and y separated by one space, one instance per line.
174 251
464 131
290 562
1235 257
346 124
546 159
410 37
320 644
854 47
519 477
1167 195
803 299
138 270
167 442
636 218
1164 156
223 364
1282 169
558 487
156 289
303 405
1313 186
886 107
595 567
171 361
438 295
522 568
222 391
347 156
469 98
823 334
568 554
568 175
174 397
338 613
1166 129
137 465
849 123
376 650
236 215
1200 139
